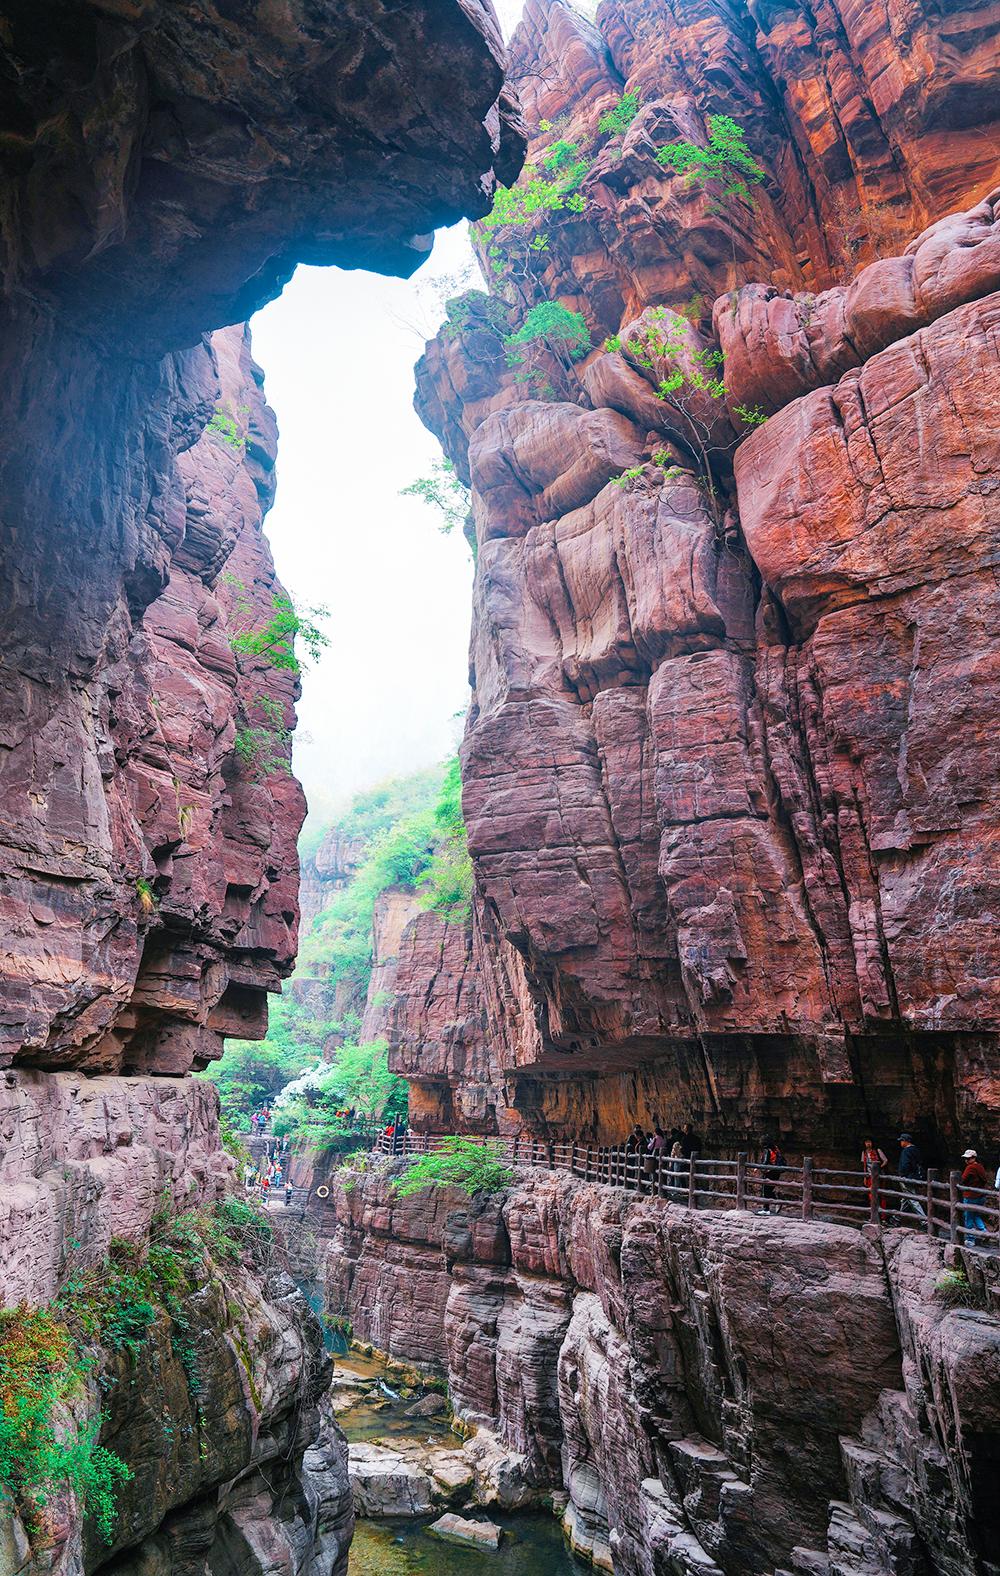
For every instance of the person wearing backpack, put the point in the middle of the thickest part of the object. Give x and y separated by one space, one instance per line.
771 1162
911 1174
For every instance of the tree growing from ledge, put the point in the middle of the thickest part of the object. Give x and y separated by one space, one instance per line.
694 391
550 333
460 1163
272 643
726 160
445 491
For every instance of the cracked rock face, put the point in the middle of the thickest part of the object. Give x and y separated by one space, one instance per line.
164 167
713 1392
729 775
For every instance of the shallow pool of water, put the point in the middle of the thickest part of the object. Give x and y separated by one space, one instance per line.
379 1412
532 1546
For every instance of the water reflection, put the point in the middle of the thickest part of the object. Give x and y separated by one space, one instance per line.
532 1546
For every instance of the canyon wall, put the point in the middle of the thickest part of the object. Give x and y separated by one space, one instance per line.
163 167
709 1392
730 778
157 188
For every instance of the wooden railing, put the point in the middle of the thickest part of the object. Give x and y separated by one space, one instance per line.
938 1206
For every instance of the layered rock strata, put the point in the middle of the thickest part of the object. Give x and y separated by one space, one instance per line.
729 776
162 174
713 1392
235 1460
163 167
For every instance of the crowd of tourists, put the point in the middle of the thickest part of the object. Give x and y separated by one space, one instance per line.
267 1175
908 1199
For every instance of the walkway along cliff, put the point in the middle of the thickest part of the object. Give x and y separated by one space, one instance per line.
727 419
163 166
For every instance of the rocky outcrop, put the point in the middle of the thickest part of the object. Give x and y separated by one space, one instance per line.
729 778
711 1391
163 171
163 167
235 1460
326 872
83 1160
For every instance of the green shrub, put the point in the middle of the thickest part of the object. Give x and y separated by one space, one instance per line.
954 1289
446 884
223 425
232 1143
727 159
550 331
619 118
693 384
41 1452
559 154
272 643
264 749
444 491
472 1168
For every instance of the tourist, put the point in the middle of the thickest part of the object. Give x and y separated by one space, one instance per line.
678 1165
690 1142
911 1172
636 1141
974 1178
771 1161
872 1156
658 1143
288 1193
265 1184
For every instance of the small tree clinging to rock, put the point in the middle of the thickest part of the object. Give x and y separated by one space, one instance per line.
549 332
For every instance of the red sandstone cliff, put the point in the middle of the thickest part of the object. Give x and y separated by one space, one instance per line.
157 185
730 777
164 164
711 1392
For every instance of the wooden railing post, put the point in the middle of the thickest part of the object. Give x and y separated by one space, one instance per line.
692 1194
549 1157
953 1178
807 1187
876 1193
932 1177
741 1180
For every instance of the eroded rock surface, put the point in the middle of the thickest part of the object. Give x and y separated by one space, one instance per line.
729 775
163 171
713 1392
163 167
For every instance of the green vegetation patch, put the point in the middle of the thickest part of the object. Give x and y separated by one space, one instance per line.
48 1353
472 1168
726 160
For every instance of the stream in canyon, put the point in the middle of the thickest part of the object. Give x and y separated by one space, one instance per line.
532 1545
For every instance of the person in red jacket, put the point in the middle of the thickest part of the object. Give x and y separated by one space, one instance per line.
974 1178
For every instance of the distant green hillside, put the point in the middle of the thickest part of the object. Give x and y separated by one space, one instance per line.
414 838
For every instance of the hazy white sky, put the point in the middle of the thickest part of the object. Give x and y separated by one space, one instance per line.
338 359
338 351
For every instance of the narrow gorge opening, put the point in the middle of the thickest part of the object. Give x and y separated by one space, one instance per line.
604 1170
